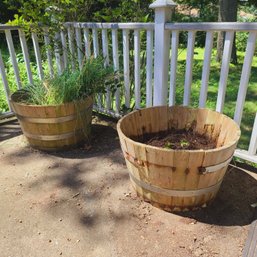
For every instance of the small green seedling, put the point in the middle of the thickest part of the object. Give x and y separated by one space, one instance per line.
168 145
184 143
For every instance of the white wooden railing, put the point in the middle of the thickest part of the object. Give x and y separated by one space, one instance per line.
117 42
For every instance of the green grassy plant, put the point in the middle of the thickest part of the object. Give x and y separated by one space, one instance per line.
72 85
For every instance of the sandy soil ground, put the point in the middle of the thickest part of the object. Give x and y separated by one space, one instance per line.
80 203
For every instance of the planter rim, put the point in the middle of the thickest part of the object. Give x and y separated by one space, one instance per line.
45 106
172 150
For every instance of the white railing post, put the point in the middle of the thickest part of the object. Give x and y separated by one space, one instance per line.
163 10
253 141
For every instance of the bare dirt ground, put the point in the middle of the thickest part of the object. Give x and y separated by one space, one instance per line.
80 203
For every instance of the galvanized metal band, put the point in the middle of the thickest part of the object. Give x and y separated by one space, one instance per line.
52 137
203 170
210 169
52 120
46 120
175 193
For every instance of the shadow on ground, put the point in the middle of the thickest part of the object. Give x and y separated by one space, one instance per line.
93 171
104 139
9 130
232 206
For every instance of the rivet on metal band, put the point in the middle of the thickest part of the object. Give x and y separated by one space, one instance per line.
175 193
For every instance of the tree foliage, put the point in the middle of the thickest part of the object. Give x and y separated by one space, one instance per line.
56 11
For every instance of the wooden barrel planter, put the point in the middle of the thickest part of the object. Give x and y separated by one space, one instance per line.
177 180
54 127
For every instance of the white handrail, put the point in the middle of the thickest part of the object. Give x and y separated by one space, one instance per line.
212 26
98 25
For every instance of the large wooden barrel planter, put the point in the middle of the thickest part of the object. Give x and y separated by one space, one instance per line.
54 127
177 180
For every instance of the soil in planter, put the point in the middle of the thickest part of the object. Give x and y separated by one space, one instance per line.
179 139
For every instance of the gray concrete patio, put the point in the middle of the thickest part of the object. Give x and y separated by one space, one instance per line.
80 203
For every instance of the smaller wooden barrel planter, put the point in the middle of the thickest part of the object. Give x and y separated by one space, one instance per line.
177 180
54 127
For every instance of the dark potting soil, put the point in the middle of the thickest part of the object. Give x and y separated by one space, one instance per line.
179 139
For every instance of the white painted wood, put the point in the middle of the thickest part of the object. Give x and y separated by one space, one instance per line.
6 115
8 27
79 47
95 42
249 53
38 55
125 38
161 56
115 56
64 49
162 3
106 25
149 68
253 142
243 154
224 70
8 36
25 52
87 43
212 26
197 26
4 80
96 53
206 69
48 53
106 63
189 67
71 47
173 67
57 53
137 68
105 47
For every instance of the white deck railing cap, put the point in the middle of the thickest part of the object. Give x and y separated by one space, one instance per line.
162 3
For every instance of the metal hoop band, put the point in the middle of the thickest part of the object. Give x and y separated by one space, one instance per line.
175 193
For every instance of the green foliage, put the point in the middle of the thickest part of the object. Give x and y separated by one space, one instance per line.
168 145
53 13
241 37
47 12
20 21
184 143
124 11
11 77
72 85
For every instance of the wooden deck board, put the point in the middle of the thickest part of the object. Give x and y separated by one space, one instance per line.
9 128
